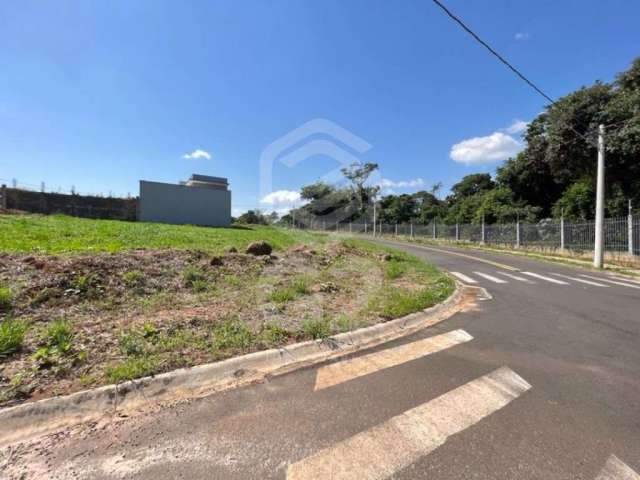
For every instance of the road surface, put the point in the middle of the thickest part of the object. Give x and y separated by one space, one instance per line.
540 382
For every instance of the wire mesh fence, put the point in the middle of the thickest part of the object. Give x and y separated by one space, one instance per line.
621 235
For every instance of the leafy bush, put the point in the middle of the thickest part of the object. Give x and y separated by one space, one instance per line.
11 336
132 344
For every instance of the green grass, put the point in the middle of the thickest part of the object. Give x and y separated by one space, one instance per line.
316 328
298 287
392 301
6 299
134 367
11 336
232 334
56 234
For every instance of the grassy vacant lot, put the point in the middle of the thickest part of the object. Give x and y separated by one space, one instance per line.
162 297
61 234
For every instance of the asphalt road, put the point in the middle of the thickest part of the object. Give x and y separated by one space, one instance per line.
540 382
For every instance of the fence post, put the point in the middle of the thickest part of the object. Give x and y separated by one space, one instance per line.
482 230
3 196
457 232
349 227
324 225
434 228
629 229
411 227
365 226
518 233
396 229
562 232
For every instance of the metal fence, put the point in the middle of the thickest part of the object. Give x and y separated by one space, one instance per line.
621 235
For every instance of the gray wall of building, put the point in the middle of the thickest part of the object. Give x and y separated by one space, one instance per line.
180 204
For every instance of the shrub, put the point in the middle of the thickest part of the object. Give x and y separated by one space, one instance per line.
11 336
132 344
199 285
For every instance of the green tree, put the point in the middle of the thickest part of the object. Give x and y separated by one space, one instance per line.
358 174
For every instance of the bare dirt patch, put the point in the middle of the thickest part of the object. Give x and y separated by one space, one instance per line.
88 320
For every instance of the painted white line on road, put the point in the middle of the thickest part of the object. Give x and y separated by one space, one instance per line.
490 277
624 284
542 277
383 450
629 280
463 277
581 280
616 469
516 277
346 370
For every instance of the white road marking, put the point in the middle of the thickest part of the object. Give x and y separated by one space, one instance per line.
624 284
616 469
542 277
489 277
637 282
581 280
381 451
516 277
346 370
463 277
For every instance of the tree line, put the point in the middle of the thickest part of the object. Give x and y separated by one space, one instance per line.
554 175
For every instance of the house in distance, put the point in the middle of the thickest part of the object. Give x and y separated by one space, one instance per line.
201 200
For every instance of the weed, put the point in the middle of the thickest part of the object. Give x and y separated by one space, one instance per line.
6 299
133 279
316 328
11 336
87 285
344 323
131 368
232 334
395 269
149 330
296 289
199 285
59 336
132 344
192 274
273 335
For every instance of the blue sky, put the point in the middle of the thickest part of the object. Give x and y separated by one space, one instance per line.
101 94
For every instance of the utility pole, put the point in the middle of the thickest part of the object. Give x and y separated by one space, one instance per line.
630 229
374 217
598 253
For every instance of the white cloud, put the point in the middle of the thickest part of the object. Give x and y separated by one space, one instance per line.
473 151
387 184
197 154
521 36
516 127
281 197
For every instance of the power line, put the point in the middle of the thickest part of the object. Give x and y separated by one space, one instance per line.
503 60
493 52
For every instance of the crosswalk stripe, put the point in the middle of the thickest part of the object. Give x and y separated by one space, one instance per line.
489 277
581 280
616 469
516 277
346 370
383 450
624 284
542 277
463 277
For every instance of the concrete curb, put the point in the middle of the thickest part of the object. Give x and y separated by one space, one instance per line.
28 420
